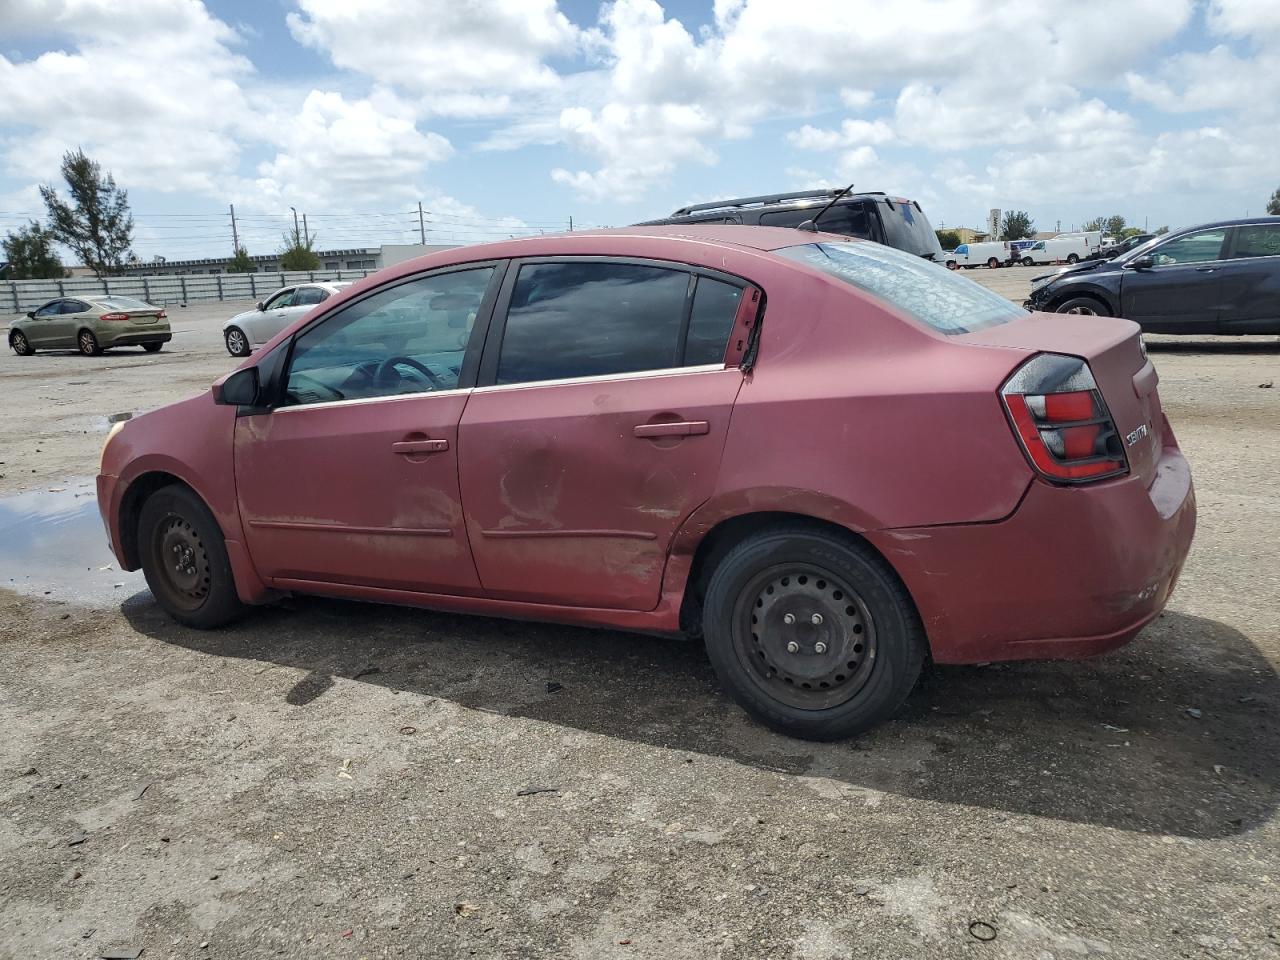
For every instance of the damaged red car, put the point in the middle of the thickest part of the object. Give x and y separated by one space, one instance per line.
827 458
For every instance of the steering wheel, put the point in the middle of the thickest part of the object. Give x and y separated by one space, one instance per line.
385 368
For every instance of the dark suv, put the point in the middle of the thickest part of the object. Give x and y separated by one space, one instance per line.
1215 278
893 221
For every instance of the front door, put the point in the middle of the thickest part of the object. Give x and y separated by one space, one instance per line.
46 322
598 428
353 478
1182 292
271 319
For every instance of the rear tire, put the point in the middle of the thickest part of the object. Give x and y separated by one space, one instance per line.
992 263
20 345
88 343
237 342
1072 259
1083 305
184 559
152 347
811 633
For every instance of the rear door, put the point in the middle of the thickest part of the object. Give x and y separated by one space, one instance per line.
73 315
598 426
1251 280
1182 292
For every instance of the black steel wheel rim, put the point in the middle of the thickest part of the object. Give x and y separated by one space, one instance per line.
1085 311
182 562
804 636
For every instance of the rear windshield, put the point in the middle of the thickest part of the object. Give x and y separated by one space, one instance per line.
937 297
115 302
907 228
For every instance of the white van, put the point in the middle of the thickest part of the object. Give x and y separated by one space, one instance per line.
992 254
1058 250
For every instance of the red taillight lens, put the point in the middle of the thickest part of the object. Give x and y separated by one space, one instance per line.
1059 415
162 315
114 316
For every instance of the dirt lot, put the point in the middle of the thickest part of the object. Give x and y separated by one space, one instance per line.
336 780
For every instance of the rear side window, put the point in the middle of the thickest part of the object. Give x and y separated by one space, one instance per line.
571 320
715 305
851 219
938 298
1262 240
306 296
74 306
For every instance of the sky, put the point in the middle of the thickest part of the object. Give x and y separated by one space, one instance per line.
508 117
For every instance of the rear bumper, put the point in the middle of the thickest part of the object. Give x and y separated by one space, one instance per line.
137 339
1074 571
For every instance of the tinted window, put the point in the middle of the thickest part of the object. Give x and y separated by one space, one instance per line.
74 306
849 218
50 309
116 302
715 305
281 299
907 228
929 292
1262 240
409 339
590 319
1193 248
307 296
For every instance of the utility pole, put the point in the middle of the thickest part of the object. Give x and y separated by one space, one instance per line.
422 225
296 235
306 234
571 223
235 237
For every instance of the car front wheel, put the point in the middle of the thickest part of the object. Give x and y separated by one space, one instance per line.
184 559
1083 305
812 634
237 342
20 345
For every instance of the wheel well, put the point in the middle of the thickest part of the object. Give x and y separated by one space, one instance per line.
727 534
1081 295
131 509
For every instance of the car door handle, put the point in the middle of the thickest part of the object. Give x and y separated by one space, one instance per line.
681 428
1206 269
403 447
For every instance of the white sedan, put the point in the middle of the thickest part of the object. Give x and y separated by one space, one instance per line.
251 329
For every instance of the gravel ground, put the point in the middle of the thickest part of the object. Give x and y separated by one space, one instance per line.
338 780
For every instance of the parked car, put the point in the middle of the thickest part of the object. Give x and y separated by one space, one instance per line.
246 331
1109 251
90 324
991 253
1015 248
1056 250
818 454
893 221
1215 278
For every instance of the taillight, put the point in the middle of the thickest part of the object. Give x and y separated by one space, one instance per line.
162 315
114 316
1062 420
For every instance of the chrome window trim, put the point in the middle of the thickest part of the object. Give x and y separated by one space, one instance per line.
608 377
355 401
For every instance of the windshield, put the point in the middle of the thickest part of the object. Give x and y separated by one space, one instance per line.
935 296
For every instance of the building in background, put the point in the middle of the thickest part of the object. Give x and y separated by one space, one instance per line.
354 258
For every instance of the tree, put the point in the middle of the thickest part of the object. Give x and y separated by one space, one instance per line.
1017 225
298 253
1160 231
949 239
96 224
240 263
30 253
1128 232
1097 223
1115 225
1273 205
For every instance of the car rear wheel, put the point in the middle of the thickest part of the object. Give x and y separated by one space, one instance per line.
1072 258
184 559
237 342
152 347
812 634
88 343
1083 305
20 345
993 263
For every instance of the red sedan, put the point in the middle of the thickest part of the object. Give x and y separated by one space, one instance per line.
826 457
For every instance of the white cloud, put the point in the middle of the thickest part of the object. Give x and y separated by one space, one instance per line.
852 133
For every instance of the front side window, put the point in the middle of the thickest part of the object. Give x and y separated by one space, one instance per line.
1259 240
51 309
409 339
935 296
1193 248
570 320
281 299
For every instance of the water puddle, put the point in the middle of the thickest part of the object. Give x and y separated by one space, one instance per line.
52 544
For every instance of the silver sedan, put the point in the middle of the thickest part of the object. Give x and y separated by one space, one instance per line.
246 331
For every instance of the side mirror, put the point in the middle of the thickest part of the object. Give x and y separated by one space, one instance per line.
261 305
31 314
1142 263
239 389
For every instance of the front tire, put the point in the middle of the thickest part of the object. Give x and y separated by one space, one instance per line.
184 559
1028 262
811 633
237 342
20 345
952 265
88 343
1083 305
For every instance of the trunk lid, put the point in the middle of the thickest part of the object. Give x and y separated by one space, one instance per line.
1113 349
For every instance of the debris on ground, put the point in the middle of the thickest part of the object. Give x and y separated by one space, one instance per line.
408 731
1193 713
366 672
465 909
1266 385
981 930
552 686
77 838
345 772
29 772
125 953
530 791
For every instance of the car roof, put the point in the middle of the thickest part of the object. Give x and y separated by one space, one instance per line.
732 234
